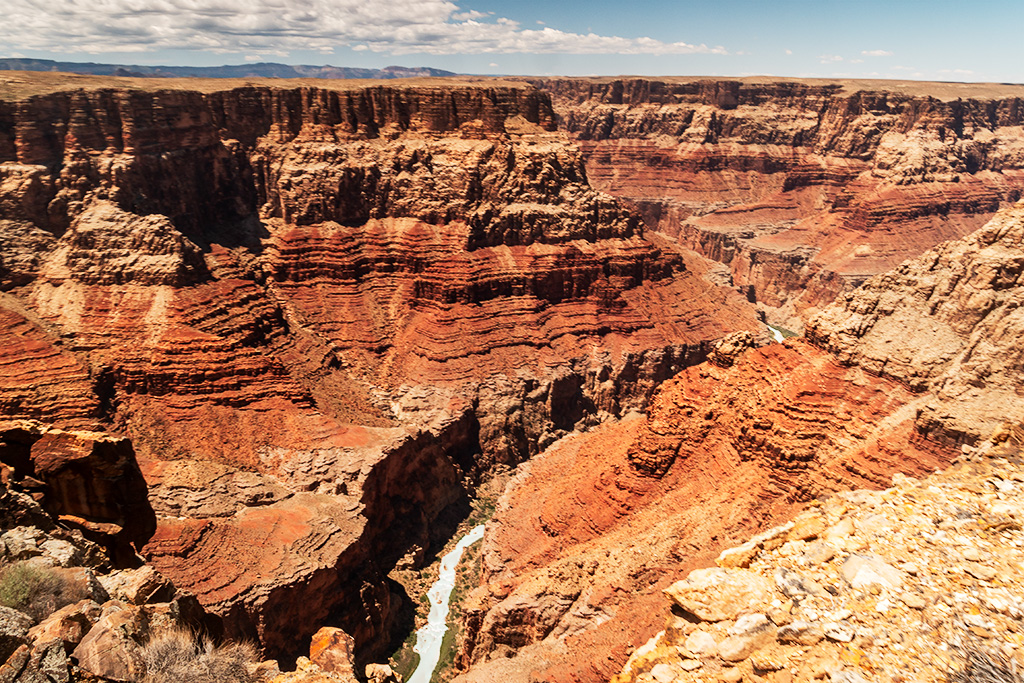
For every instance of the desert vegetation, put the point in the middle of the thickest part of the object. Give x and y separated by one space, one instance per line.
36 590
179 657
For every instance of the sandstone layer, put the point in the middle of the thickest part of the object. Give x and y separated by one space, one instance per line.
804 188
320 314
896 377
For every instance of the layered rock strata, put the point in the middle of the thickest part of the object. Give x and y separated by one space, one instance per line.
320 314
804 188
577 556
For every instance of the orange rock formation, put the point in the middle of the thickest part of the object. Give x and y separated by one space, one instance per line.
320 313
894 377
804 188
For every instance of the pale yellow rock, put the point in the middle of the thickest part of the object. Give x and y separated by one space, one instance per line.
808 525
663 673
738 557
717 594
839 531
769 659
702 644
732 675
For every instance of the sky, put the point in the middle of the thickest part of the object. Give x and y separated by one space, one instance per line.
901 39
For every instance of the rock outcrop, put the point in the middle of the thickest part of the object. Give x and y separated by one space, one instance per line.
947 325
320 314
67 615
868 585
88 481
804 188
576 557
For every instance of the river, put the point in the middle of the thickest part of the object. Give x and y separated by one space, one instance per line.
430 637
776 333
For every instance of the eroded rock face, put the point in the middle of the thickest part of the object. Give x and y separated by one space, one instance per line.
319 314
805 189
722 453
948 324
738 445
89 481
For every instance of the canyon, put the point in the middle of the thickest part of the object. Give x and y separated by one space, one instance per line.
802 189
295 325
321 316
899 376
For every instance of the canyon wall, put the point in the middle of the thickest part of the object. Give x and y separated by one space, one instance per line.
803 188
320 315
900 375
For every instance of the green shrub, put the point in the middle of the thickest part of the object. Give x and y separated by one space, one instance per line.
36 591
178 657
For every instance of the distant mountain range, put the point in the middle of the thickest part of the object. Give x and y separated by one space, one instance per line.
257 70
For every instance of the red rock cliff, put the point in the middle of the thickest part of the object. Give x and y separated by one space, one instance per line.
806 188
318 313
896 376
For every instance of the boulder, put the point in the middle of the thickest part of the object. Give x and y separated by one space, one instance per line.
112 648
717 594
68 624
333 651
750 633
14 628
863 571
138 586
382 673
50 661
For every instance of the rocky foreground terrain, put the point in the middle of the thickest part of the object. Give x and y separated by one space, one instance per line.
912 583
268 337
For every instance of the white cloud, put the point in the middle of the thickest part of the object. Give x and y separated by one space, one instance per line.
856 61
493 64
789 52
957 72
876 53
265 26
829 59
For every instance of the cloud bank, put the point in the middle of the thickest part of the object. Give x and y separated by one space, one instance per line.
278 26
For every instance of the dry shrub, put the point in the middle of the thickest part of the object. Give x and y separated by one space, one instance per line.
34 590
178 657
983 667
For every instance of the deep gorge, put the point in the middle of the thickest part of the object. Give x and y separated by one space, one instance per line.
317 317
